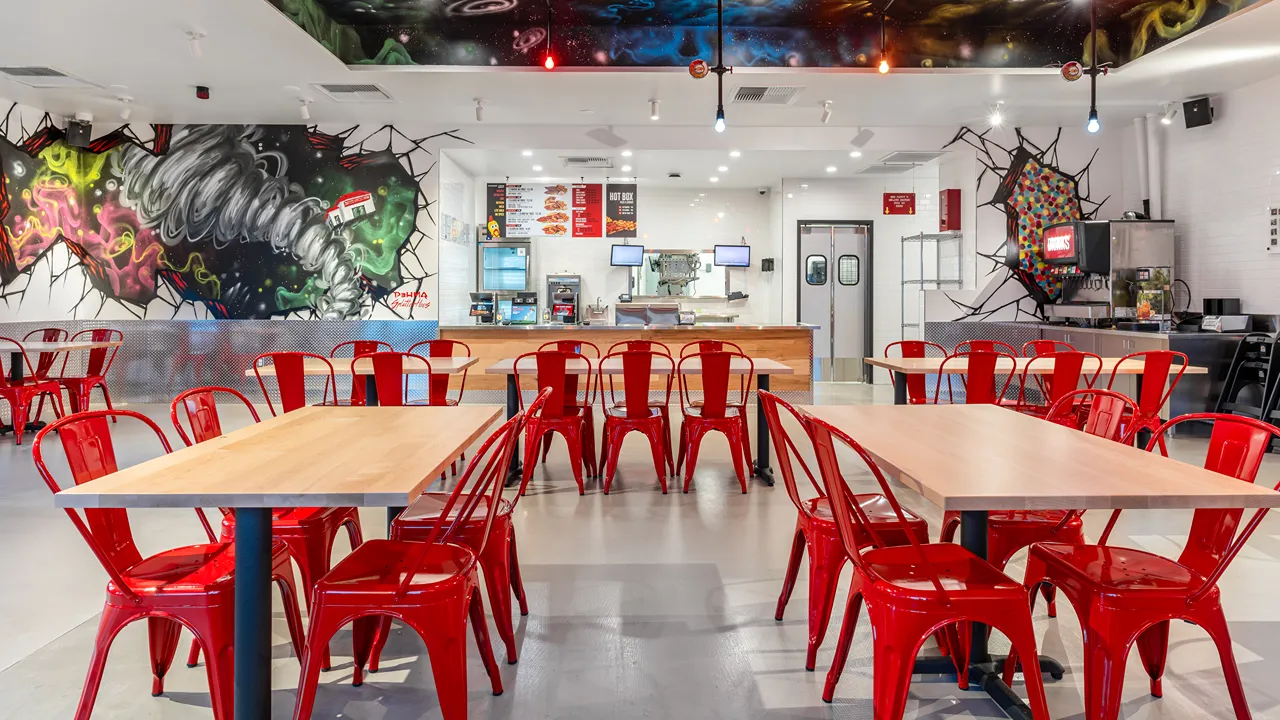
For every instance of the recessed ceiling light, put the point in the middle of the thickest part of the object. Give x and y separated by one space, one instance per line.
690 204
831 168
626 168
527 153
855 154
720 214
537 168
735 153
723 168
714 179
791 196
804 187
626 153
704 194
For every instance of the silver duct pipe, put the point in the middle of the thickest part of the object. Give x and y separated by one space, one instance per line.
1155 169
1140 149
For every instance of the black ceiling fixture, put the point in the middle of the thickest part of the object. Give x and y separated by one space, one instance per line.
719 68
883 67
549 62
1093 125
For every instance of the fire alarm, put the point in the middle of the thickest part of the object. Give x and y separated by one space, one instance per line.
202 92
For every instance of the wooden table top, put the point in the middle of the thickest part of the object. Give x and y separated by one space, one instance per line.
62 346
342 366
613 366
983 457
959 366
311 457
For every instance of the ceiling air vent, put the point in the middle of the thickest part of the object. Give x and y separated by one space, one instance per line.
587 161
896 169
354 93
910 158
761 95
43 77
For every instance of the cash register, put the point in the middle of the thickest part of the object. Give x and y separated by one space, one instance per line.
482 307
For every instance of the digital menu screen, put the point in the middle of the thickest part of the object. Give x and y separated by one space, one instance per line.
1059 242
733 255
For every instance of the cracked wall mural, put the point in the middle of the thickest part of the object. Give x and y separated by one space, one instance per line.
242 221
1027 184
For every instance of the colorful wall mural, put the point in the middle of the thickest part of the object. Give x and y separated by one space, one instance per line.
246 221
1033 193
773 33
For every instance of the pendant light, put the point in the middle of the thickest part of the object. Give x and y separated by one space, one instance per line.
549 62
883 67
719 68
1093 125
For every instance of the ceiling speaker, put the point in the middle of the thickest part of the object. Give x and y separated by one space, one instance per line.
78 133
1197 112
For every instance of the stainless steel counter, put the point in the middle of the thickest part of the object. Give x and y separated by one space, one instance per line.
630 328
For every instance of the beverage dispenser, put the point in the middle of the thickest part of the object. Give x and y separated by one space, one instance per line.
564 294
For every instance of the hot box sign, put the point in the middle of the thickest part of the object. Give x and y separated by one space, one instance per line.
900 203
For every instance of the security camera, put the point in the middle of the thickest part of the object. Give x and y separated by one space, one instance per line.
762 191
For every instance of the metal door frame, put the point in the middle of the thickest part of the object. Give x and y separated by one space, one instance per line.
868 276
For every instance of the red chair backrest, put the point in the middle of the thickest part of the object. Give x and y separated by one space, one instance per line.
981 378
643 345
699 346
1105 416
1156 384
438 383
985 346
481 481
551 369
291 378
100 359
716 367
785 448
201 405
90 453
389 375
850 518
6 359
581 347
44 362
1039 347
1068 367
358 348
637 371
916 391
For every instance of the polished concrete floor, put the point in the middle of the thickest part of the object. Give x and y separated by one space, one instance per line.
642 606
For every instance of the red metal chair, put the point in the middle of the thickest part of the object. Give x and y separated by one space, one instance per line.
431 586
308 532
716 411
663 407
586 349
816 530
20 395
45 360
639 346
1068 368
358 348
1156 387
744 382
389 376
95 371
912 591
981 382
1125 596
917 394
985 346
438 385
499 562
563 413
635 413
1097 412
699 346
289 369
191 587
1039 347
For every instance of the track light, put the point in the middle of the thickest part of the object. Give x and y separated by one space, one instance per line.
826 111
1093 125
303 108
479 110
1170 112
996 117
653 110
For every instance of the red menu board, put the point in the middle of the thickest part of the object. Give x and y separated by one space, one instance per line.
588 211
900 203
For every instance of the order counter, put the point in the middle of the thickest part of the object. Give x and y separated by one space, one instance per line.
791 345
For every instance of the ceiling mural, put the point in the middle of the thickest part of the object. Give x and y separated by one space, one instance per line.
758 33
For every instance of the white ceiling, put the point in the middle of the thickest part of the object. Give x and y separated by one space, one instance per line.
251 53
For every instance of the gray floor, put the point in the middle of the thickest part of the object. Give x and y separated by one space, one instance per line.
642 606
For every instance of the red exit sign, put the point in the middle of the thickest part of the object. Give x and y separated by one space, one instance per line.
899 203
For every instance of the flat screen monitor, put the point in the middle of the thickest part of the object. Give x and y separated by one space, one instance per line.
504 309
1060 244
733 255
524 314
627 255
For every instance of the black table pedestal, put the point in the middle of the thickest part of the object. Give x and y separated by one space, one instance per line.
762 469
253 614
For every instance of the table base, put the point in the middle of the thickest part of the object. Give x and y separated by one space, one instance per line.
986 677
31 426
761 467
253 614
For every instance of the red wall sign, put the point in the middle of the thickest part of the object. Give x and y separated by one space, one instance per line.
588 211
899 203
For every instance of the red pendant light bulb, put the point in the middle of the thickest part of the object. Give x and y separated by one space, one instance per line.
549 63
549 60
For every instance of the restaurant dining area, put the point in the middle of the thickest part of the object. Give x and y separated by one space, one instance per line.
502 359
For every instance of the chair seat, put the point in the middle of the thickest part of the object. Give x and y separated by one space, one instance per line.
1119 569
730 411
31 385
876 506
620 413
429 506
378 567
958 569
193 569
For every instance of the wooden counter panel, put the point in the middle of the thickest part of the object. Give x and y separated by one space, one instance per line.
790 346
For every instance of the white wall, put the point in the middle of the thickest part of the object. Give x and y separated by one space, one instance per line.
458 250
1219 181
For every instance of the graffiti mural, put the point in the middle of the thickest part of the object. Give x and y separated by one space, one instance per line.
247 221
774 33
1033 193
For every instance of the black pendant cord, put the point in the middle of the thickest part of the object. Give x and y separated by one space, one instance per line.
1093 61
549 12
720 68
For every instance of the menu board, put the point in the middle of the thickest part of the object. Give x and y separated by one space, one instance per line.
900 203
620 211
495 204
588 211
528 210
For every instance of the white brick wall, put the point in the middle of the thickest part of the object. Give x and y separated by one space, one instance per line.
1219 181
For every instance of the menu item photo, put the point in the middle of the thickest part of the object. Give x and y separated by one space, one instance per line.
555 217
556 190
555 203
554 229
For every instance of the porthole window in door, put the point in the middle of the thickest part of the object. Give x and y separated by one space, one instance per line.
848 270
815 270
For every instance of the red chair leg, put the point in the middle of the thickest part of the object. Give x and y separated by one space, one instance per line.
589 443
1021 634
106 396
793 570
517 584
682 448
282 575
851 610
546 446
654 433
322 627
495 565
216 631
693 437
612 448
1153 647
826 558
1214 623
735 437
444 634
895 654
18 416
162 643
1104 661
364 633
113 619
480 628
